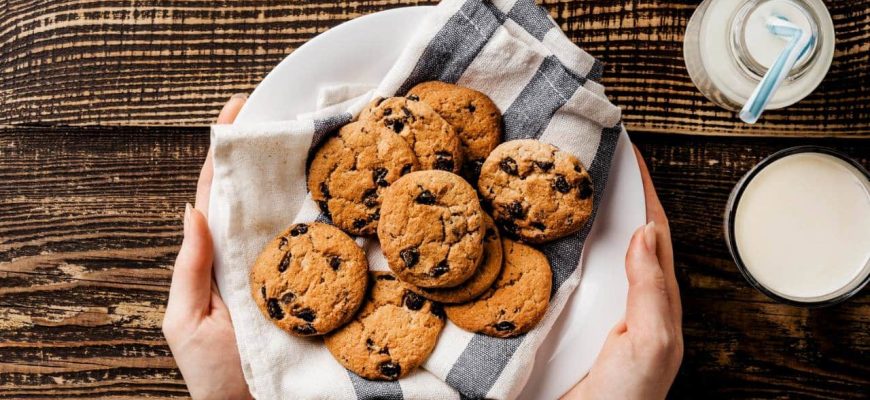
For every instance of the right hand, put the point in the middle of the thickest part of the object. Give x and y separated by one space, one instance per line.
642 354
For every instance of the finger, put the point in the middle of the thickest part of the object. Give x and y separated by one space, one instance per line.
231 109
190 291
203 187
665 250
648 307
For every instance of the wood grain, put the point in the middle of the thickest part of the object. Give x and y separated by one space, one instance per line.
90 223
172 62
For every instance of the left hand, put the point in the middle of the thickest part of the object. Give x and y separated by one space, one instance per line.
197 323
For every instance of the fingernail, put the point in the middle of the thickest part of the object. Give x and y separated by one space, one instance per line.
186 217
243 96
649 236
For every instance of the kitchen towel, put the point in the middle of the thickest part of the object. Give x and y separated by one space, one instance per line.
546 87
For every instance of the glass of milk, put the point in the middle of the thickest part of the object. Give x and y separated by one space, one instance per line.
728 49
798 226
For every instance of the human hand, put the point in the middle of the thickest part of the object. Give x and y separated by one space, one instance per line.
642 353
197 324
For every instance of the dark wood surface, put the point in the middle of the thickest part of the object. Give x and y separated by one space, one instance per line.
173 62
90 217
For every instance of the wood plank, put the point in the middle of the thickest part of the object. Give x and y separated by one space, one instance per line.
124 62
90 223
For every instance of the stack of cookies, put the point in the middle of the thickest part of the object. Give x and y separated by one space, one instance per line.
401 171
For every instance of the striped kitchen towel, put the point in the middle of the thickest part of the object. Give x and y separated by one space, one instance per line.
546 87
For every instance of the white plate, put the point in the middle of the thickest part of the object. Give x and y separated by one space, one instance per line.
362 51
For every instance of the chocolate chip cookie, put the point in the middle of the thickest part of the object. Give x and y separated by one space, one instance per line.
536 192
431 229
310 279
394 332
475 117
351 170
517 301
433 140
483 277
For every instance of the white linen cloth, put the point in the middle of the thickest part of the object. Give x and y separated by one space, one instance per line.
546 87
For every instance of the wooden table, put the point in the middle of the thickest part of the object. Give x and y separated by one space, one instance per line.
104 106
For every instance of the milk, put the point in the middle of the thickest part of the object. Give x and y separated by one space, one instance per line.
802 227
728 48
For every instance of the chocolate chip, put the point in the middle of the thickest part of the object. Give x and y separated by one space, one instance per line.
325 190
379 176
334 262
274 309
379 101
410 256
386 277
504 326
561 184
440 269
263 292
370 344
425 197
509 165
443 161
375 215
299 229
288 297
539 226
490 234
282 244
585 188
471 108
405 169
413 301
359 223
395 124
515 210
370 198
390 370
388 111
544 165
385 350
413 97
306 329
305 314
578 168
324 206
285 262
438 309
407 112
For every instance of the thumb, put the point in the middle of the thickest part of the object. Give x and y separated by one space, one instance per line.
647 307
190 291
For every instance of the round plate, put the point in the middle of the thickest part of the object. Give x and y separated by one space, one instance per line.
362 51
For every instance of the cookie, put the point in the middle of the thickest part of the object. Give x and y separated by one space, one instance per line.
431 229
536 192
310 280
483 277
476 119
394 332
516 302
433 140
349 173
